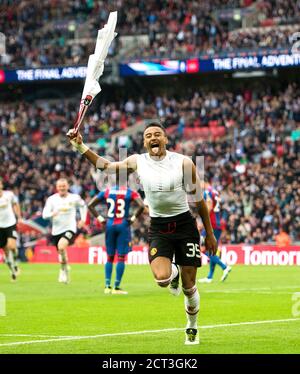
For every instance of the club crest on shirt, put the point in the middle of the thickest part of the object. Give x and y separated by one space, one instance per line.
153 251
66 207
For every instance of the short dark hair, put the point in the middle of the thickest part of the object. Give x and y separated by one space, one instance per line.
155 124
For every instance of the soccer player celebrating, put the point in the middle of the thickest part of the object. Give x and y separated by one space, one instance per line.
61 208
117 229
213 200
167 178
10 212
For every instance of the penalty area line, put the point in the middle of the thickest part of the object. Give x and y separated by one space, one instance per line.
58 339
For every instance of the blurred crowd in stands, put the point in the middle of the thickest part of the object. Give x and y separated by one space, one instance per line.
254 162
281 11
62 32
250 140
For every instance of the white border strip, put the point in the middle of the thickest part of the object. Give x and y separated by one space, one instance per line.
62 338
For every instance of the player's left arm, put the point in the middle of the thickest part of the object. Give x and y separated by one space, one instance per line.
91 206
17 208
193 187
140 207
209 202
83 212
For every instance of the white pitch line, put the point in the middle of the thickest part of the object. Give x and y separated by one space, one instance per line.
273 289
147 332
249 323
256 292
36 336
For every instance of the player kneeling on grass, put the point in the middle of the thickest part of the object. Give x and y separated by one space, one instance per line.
9 213
61 208
167 178
117 229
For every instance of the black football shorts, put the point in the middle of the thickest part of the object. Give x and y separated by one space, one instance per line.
69 235
177 238
7 232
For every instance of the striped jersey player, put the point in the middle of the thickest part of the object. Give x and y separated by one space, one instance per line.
118 200
213 202
212 197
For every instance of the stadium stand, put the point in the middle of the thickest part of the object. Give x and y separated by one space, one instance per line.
62 32
253 165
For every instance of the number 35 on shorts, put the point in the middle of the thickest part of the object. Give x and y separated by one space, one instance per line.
193 250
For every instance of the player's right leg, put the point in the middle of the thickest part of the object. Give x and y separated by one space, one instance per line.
117 290
64 274
110 243
160 259
191 303
8 259
216 260
11 254
124 247
174 285
8 241
162 270
108 268
188 257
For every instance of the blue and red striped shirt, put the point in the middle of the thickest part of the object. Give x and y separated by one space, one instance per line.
118 199
215 213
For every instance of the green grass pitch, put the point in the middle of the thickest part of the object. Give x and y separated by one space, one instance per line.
255 311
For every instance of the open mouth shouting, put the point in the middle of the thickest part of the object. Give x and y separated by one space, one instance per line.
154 147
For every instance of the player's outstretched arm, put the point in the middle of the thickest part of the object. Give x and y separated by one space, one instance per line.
193 188
101 163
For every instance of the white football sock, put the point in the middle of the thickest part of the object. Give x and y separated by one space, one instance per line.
192 306
174 271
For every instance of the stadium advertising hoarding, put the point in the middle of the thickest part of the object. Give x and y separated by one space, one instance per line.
43 74
208 65
231 254
228 63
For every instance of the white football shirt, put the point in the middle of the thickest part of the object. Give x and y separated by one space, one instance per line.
163 185
7 214
66 208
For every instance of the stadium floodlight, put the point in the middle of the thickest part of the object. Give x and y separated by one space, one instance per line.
95 68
